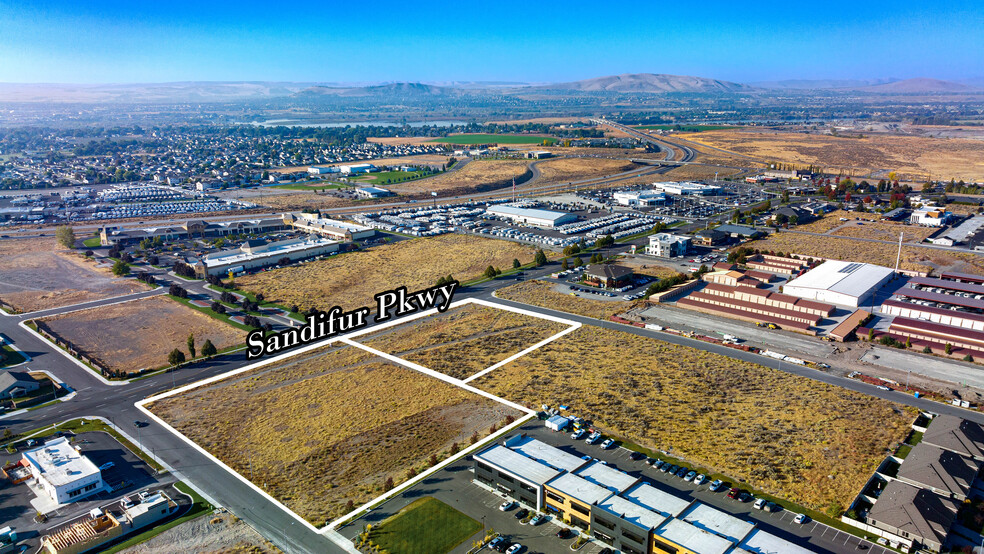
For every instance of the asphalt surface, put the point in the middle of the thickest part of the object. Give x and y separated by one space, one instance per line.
116 402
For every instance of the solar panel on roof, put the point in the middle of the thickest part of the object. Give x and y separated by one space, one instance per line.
850 268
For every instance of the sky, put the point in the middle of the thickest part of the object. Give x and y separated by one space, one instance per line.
103 41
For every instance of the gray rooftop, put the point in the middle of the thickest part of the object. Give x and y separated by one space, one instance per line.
505 209
919 512
656 500
693 538
8 378
517 464
760 542
965 229
579 489
956 435
716 521
604 476
632 512
543 452
939 469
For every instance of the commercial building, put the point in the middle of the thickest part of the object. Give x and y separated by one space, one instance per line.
847 328
844 283
333 229
530 216
779 265
758 305
931 217
257 253
149 508
357 168
710 237
514 474
372 192
624 525
665 245
109 236
760 542
640 198
322 170
539 154
740 231
608 275
571 497
687 189
63 473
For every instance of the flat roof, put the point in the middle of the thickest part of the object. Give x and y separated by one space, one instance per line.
760 542
953 275
965 229
608 477
940 298
632 512
270 250
517 464
505 209
957 314
947 284
714 520
656 500
543 452
943 331
693 538
850 278
579 489
303 219
60 463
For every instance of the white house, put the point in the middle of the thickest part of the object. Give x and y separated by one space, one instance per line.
640 198
665 245
62 472
930 216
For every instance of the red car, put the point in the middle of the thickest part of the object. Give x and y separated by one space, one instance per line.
733 493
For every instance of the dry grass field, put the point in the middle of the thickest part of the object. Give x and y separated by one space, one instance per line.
915 258
541 293
37 274
697 172
884 230
299 200
463 341
914 157
800 439
431 159
351 280
330 427
646 267
564 170
832 219
135 335
476 176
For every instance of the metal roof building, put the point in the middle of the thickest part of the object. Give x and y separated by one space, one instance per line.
531 216
836 282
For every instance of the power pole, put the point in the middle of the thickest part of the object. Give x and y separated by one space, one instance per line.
898 257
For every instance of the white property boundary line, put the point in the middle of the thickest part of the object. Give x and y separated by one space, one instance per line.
329 528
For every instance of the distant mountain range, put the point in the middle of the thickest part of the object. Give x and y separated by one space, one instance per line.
629 83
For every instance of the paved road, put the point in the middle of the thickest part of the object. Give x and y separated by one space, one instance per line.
96 398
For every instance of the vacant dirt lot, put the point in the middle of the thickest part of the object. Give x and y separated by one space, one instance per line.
565 170
799 439
303 199
134 335
37 274
351 280
915 157
647 267
225 534
463 341
541 293
331 426
476 176
883 230
916 258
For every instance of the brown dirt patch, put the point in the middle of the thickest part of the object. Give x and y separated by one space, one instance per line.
134 335
37 274
476 176
330 427
541 293
563 170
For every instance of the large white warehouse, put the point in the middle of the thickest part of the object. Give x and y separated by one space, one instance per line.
640 198
538 218
844 283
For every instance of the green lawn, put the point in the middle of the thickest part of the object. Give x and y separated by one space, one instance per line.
427 526
10 356
91 242
498 139
382 177
309 185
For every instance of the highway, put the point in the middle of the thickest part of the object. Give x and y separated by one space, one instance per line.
665 146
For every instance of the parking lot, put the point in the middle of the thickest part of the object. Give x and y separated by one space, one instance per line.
127 474
455 486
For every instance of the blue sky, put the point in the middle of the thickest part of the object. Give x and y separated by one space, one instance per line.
97 41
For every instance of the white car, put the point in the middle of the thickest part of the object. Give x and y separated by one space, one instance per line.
506 506
715 485
516 547
576 435
699 480
593 438
607 444
801 518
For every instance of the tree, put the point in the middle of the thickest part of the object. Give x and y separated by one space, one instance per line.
564 265
388 486
516 264
793 219
191 344
489 272
121 268
539 258
88 253
948 349
65 236
578 262
871 334
176 357
177 290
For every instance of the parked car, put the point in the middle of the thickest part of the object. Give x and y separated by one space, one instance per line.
651 462
682 472
578 435
733 493
672 471
636 456
538 519
520 514
495 543
715 485
593 438
759 503
107 465
516 547
801 518
607 444
771 507
506 506
744 496
700 479
564 533
690 476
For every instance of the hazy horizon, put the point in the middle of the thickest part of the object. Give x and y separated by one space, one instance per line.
112 42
